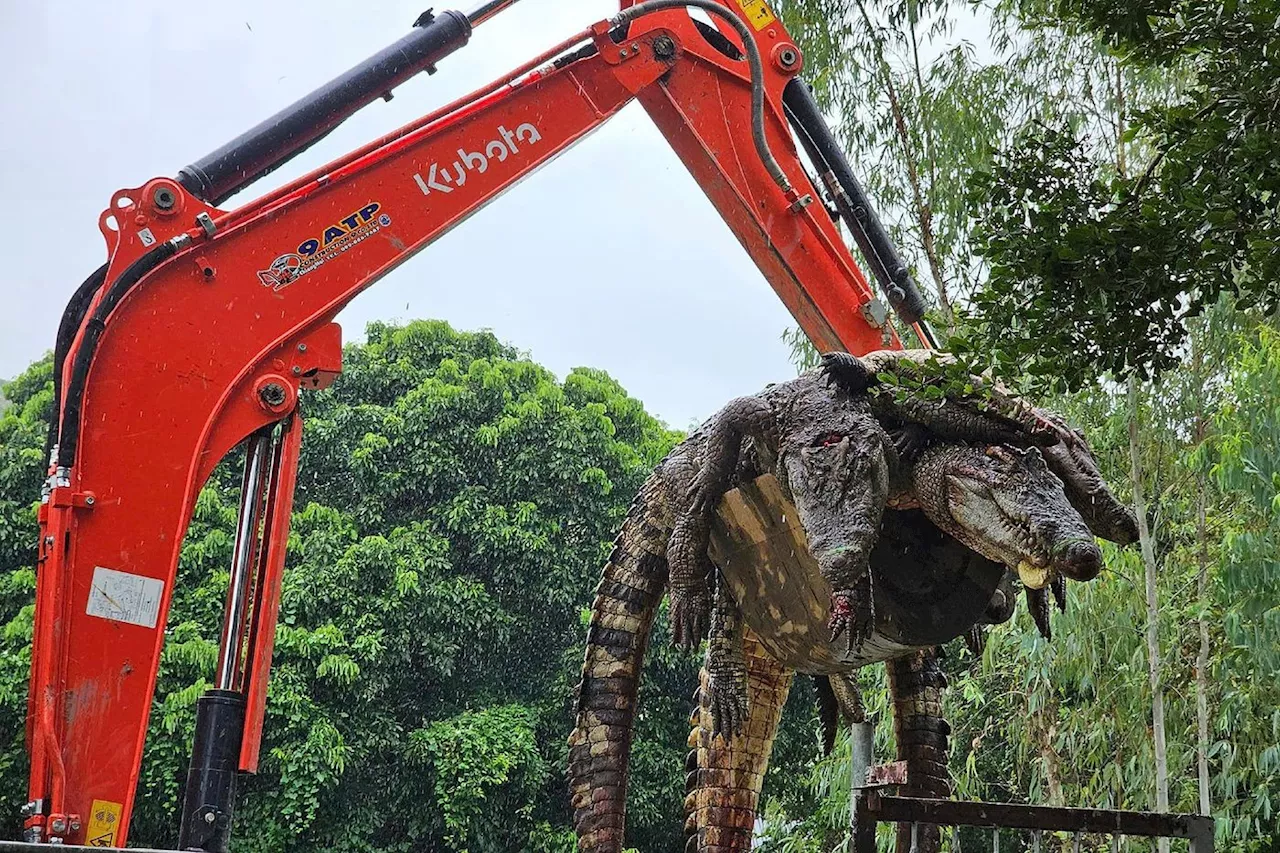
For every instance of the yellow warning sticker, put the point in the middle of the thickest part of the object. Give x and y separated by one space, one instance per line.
104 823
759 14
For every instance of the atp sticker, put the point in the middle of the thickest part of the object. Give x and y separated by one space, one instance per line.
314 252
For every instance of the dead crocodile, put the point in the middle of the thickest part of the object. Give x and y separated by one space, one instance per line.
838 464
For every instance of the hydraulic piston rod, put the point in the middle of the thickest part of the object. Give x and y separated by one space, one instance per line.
220 713
229 649
855 208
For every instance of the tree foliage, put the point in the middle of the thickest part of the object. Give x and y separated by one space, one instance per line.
454 506
1121 220
1095 268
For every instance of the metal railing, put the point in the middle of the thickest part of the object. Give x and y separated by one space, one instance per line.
872 808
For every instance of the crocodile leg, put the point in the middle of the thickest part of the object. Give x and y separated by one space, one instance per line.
726 666
725 776
916 684
690 568
695 491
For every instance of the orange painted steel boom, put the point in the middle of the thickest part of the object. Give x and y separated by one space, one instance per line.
207 324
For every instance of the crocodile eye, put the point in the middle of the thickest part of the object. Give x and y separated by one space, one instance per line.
829 439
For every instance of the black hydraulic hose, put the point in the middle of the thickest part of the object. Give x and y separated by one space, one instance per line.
300 125
72 317
69 429
629 14
872 238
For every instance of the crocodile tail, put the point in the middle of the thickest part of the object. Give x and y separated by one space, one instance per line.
622 614
724 779
916 684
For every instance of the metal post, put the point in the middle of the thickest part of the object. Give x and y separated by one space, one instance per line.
215 753
862 746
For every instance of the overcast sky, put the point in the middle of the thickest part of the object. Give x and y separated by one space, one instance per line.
609 257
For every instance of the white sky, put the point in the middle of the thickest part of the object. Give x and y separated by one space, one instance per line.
610 257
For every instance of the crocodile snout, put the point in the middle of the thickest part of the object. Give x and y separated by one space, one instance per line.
1082 561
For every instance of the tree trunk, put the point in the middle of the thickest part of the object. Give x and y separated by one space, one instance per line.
1202 588
1202 659
1153 613
1047 730
920 207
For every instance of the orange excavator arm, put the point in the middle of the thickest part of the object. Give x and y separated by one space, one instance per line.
205 325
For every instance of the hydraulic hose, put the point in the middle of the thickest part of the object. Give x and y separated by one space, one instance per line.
855 207
754 61
72 317
69 429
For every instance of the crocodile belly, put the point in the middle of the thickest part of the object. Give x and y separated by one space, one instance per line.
929 588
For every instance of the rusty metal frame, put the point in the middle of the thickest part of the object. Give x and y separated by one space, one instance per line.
872 808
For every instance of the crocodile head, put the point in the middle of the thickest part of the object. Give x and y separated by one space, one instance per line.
832 465
1008 506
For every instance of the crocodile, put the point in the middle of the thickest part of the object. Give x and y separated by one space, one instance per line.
999 501
841 468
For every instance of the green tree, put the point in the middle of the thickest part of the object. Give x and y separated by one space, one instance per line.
454 506
1094 268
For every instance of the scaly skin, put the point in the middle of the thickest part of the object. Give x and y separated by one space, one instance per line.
990 415
664 539
916 684
829 453
839 467
622 615
726 775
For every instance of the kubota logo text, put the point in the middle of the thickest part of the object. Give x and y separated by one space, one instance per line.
314 252
445 179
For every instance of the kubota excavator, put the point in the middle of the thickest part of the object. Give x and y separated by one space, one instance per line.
205 324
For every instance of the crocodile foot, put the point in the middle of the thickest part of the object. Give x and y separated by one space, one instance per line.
690 617
847 372
910 441
853 611
976 640
728 705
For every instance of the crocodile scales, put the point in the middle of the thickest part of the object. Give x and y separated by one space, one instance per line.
831 452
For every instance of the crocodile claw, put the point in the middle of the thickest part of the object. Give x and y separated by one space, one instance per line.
728 705
910 441
1059 587
690 618
976 640
853 610
1038 604
847 372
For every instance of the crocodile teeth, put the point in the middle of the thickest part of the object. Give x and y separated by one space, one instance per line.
1032 576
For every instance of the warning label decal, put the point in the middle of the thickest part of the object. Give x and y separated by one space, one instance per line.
104 823
758 13
122 597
